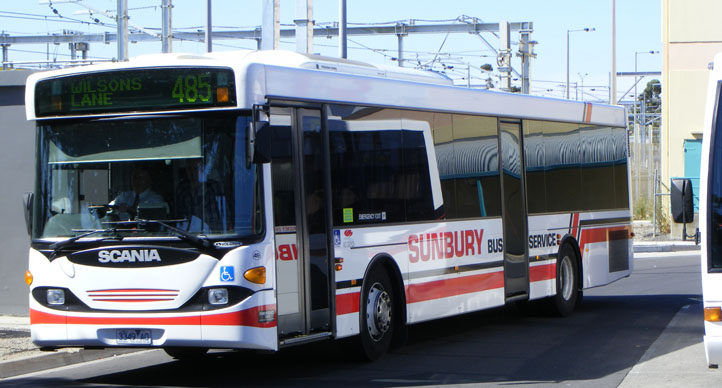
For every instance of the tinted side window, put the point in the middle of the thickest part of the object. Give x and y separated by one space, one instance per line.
621 178
477 162
597 168
284 199
562 173
714 194
535 156
379 167
467 155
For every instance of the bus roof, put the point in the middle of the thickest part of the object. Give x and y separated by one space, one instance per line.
286 75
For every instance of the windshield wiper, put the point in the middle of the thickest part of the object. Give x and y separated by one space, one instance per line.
57 246
199 242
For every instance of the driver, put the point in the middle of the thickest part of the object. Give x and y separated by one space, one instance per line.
126 203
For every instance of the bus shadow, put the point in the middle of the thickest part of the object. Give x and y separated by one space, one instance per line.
607 335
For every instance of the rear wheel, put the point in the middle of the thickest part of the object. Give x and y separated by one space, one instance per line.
377 315
567 282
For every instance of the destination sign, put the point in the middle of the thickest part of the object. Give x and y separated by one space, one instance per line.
136 90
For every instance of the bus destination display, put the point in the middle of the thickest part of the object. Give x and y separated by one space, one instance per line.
137 90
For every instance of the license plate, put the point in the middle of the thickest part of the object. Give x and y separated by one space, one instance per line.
133 336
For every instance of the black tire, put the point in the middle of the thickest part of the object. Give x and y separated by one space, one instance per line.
567 282
186 354
378 313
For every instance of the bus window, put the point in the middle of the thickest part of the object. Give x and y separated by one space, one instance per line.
380 170
561 167
195 168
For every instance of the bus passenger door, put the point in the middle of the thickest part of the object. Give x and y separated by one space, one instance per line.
516 252
300 177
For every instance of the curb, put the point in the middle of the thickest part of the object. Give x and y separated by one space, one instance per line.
42 362
670 247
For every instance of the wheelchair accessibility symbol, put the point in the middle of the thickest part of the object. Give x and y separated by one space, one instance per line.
227 274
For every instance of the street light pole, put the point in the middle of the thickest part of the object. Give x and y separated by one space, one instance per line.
568 31
634 106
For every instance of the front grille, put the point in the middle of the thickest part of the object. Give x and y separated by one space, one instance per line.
133 295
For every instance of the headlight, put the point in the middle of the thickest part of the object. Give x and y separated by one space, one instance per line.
55 296
218 296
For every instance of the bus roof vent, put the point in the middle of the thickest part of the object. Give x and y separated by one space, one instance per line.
347 66
361 68
168 57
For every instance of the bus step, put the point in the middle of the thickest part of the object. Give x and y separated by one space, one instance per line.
517 297
305 339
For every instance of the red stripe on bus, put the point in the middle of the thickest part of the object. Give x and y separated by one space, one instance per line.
542 272
591 236
453 286
131 300
133 290
132 296
588 112
575 225
247 317
347 303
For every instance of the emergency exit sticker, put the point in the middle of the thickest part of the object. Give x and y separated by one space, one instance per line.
347 214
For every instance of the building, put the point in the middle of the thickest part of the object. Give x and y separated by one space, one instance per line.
691 36
17 158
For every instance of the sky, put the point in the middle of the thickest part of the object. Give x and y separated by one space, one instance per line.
638 30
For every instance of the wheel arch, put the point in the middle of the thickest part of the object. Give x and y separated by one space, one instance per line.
386 261
569 239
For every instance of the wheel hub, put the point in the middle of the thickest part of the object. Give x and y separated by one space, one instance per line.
565 275
378 312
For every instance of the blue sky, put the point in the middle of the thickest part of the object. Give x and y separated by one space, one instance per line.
638 30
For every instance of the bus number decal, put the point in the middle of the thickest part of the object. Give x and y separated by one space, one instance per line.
191 88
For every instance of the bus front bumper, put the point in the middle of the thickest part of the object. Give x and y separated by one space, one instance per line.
248 325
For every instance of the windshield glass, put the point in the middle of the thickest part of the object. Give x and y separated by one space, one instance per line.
188 172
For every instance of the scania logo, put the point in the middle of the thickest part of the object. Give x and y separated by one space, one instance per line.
128 255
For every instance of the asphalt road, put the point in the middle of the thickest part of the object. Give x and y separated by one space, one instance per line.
596 347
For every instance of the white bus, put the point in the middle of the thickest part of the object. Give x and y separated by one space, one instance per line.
257 200
710 221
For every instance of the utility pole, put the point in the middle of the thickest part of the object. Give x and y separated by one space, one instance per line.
503 59
526 52
304 26
122 30
271 27
5 52
342 39
613 74
209 27
167 31
83 47
400 34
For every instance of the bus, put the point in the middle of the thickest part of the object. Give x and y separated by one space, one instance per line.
264 199
710 213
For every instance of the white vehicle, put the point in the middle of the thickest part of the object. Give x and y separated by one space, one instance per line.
710 213
294 198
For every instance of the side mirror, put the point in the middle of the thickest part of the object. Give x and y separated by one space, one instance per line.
682 201
262 146
28 211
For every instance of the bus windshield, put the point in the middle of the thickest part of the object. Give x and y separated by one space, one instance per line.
182 172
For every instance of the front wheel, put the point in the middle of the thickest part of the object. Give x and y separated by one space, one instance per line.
377 315
567 282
